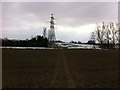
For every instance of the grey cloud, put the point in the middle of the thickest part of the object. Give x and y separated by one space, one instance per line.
81 12
71 14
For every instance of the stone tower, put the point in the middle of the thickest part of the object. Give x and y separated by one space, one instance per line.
51 31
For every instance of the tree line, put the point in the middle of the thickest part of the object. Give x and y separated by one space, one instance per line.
37 41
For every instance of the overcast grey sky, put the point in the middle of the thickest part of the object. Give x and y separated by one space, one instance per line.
74 20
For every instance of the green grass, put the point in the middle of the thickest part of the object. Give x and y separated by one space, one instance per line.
27 68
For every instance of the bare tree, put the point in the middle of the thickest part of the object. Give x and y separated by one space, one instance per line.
118 34
107 34
114 33
100 33
93 39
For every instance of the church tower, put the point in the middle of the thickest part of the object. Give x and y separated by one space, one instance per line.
51 31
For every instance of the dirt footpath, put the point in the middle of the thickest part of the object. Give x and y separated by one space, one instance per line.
62 76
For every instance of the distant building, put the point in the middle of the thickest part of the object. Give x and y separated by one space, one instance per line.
51 31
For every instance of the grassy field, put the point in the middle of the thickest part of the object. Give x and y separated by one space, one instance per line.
59 68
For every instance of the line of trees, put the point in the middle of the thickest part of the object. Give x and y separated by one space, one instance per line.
107 35
38 41
76 42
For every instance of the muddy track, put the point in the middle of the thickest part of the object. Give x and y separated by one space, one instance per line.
62 77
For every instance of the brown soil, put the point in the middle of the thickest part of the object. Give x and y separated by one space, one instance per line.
59 68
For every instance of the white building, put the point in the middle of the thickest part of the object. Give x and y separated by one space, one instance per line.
51 31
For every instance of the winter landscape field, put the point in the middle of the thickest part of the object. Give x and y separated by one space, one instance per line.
59 68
